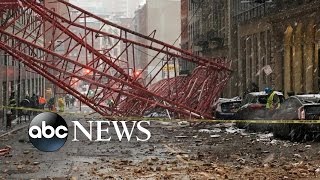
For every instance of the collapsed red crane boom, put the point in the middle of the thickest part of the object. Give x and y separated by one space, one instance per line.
81 48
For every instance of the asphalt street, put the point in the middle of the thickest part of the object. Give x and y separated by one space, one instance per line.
176 150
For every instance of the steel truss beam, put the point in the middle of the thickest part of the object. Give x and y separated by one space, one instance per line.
79 47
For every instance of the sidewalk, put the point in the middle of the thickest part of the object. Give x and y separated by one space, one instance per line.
14 126
5 149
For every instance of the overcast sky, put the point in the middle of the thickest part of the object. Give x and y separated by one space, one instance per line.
107 6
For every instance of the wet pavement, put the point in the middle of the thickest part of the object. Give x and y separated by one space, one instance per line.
175 151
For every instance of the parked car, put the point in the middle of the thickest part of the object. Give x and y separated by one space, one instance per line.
299 107
253 107
156 115
226 108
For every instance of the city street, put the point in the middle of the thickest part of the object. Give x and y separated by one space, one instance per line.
144 89
176 150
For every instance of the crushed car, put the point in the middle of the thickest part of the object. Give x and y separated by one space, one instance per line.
298 107
226 108
253 107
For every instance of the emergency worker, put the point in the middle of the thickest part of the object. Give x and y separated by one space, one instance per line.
273 101
51 103
42 102
11 113
61 104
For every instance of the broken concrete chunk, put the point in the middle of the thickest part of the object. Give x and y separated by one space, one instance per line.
215 136
215 130
297 155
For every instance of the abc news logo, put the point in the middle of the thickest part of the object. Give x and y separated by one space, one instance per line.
48 132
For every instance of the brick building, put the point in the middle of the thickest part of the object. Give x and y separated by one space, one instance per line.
15 76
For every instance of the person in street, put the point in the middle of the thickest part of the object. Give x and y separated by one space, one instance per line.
42 102
61 104
72 101
51 104
11 113
273 101
12 102
34 103
25 103
67 100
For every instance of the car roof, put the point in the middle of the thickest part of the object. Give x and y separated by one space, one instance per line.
223 100
261 93
309 96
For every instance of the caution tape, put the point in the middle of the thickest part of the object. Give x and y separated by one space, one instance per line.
190 120
43 110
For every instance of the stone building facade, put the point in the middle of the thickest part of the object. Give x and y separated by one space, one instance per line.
281 37
271 43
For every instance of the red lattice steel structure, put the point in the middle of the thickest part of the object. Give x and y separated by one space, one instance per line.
79 48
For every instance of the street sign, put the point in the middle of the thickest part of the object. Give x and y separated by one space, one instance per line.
169 67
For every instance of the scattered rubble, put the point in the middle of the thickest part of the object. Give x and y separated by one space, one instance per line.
215 136
215 130
233 130
184 123
5 151
264 137
26 152
297 156
205 152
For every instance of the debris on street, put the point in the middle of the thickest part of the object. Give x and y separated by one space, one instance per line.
174 152
5 151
